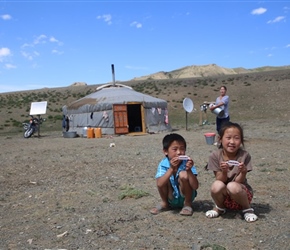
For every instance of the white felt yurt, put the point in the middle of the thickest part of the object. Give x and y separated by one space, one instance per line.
118 109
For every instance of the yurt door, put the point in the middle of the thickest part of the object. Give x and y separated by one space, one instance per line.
120 119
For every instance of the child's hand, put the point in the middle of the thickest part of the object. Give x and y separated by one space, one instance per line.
174 163
189 164
224 166
242 167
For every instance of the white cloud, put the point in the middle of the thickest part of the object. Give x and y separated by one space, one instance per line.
136 24
35 53
258 11
26 45
288 46
40 39
54 40
55 51
3 53
270 55
10 66
6 17
107 18
30 56
26 55
277 19
271 48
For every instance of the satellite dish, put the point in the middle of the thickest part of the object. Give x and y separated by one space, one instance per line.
188 104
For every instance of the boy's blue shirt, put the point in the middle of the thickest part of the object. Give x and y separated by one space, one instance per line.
162 168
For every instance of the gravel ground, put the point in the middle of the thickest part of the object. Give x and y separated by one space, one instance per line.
64 193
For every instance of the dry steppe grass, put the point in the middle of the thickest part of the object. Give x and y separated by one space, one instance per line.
253 96
58 193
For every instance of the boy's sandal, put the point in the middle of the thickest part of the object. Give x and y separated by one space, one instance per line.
214 214
186 211
159 209
249 215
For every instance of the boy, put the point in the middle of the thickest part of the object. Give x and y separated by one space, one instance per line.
176 177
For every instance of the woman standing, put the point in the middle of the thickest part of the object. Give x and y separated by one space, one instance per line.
223 102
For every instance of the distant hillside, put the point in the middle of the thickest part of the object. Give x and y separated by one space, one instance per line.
255 94
209 70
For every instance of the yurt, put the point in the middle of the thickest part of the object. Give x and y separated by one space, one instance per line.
118 109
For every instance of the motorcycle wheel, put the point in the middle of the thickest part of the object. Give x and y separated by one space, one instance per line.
28 132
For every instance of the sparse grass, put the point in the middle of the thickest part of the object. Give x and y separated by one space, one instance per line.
264 170
212 247
15 106
280 169
130 192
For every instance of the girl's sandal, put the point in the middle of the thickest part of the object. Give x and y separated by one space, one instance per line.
214 214
249 215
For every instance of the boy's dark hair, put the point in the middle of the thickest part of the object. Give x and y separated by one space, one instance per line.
227 125
168 139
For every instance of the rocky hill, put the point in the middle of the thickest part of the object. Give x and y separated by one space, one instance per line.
209 70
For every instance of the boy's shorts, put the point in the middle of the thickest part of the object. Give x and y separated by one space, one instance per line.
179 201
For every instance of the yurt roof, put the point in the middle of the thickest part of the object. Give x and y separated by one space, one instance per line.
117 94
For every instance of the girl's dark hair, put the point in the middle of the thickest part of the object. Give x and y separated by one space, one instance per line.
168 139
224 87
227 125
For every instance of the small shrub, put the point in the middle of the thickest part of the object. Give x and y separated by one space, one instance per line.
280 169
58 117
212 247
130 192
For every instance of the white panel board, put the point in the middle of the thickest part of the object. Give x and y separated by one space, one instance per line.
38 108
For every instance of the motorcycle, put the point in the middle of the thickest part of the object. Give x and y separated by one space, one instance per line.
32 126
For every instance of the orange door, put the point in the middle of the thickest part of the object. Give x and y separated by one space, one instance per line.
120 119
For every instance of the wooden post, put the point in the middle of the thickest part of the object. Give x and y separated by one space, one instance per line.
186 119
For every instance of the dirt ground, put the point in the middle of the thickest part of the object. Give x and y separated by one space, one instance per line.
66 193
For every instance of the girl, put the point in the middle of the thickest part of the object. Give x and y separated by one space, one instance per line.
230 164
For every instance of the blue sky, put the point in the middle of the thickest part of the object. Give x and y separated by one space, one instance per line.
55 43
